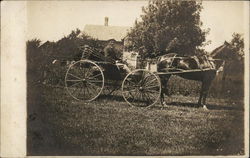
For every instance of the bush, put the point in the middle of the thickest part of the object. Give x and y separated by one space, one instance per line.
230 89
40 57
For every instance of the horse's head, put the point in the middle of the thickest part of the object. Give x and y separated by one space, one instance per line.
218 64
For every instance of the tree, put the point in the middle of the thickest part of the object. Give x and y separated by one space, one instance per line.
168 25
68 46
33 53
237 44
34 59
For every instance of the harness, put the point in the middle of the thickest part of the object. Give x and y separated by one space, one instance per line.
173 61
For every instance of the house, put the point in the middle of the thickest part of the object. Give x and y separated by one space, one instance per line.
106 32
234 67
224 52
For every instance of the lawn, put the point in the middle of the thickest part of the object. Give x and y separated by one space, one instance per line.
60 125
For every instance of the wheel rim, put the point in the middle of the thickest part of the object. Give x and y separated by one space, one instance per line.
141 88
84 80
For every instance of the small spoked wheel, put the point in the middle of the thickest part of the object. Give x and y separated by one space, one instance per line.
141 88
84 80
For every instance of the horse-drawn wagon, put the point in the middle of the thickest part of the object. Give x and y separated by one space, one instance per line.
86 79
89 77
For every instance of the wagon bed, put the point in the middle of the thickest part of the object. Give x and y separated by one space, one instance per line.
181 71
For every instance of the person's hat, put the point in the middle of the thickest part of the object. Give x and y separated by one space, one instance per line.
111 40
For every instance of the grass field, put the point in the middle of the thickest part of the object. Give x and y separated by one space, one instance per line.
59 125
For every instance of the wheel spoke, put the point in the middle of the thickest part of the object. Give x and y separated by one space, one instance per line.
149 83
144 98
95 81
93 89
131 96
86 73
131 82
152 91
153 95
139 96
91 77
74 76
155 79
145 79
74 84
74 80
151 87
147 97
94 85
84 91
80 91
90 94
131 90
75 91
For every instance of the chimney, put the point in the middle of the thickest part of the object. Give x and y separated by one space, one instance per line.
106 21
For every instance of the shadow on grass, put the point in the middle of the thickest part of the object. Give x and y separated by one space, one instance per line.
222 107
209 106
111 97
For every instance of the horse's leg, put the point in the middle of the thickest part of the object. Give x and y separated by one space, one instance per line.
201 94
164 82
205 91
162 100
206 85
162 91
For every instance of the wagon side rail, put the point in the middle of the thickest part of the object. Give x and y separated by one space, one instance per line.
180 71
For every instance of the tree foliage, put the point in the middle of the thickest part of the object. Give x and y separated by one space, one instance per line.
33 52
40 56
168 25
68 46
237 44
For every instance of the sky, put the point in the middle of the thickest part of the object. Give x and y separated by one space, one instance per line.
52 20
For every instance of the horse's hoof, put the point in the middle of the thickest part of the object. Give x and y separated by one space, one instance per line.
205 107
164 104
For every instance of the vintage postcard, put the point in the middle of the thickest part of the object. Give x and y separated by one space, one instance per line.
162 78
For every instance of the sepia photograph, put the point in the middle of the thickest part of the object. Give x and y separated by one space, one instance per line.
136 78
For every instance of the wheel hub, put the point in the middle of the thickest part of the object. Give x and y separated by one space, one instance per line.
84 80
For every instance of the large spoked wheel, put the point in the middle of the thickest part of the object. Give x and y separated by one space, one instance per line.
84 80
141 88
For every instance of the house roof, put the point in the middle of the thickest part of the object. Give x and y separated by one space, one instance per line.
224 52
217 50
105 33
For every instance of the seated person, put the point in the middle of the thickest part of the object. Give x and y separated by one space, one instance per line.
85 51
110 53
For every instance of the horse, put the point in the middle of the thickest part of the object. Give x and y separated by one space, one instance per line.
205 68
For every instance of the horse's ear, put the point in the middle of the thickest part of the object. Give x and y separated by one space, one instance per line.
226 43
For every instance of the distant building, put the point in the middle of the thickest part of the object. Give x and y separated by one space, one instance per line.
227 55
106 32
234 68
